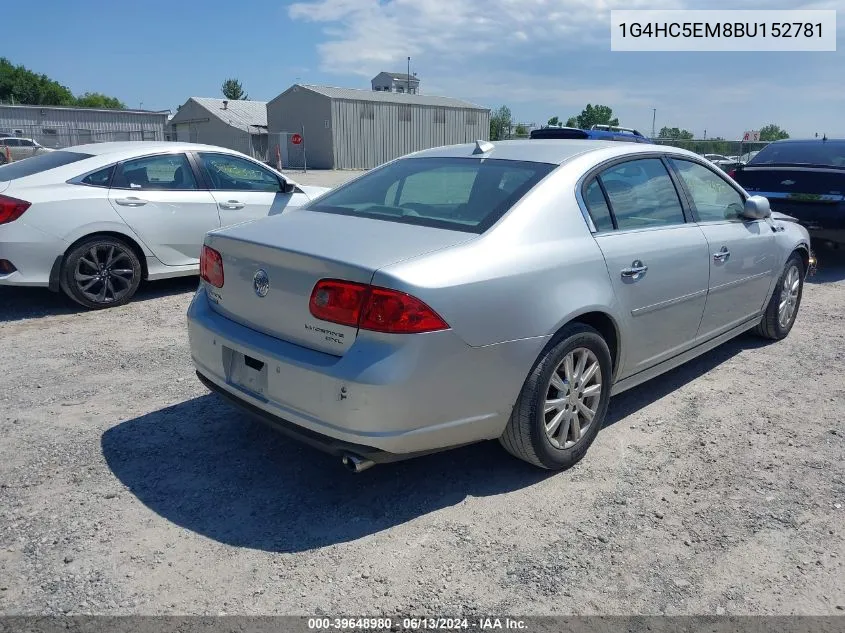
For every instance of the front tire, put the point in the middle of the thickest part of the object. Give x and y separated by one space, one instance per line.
782 308
101 272
563 403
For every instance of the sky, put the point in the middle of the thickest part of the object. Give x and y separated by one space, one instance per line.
540 58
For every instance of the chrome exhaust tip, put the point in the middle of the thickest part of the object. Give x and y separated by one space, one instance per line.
356 464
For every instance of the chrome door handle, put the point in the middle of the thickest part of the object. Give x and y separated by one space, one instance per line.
231 205
722 255
131 201
636 270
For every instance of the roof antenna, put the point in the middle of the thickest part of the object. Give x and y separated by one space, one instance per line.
482 147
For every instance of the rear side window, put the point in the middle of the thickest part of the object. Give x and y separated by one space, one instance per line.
642 194
100 178
37 164
461 194
162 172
597 206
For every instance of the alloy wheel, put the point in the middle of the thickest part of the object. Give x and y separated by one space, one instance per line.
572 398
104 274
789 296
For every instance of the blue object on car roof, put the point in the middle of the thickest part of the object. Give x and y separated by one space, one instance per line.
598 132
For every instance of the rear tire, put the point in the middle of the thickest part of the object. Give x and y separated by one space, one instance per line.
783 305
101 272
563 403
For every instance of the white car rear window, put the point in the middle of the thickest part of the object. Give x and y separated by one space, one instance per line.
37 164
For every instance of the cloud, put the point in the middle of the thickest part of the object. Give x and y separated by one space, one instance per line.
546 57
364 35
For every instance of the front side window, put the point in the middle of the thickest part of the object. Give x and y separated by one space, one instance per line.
452 193
152 173
642 194
26 143
231 173
714 199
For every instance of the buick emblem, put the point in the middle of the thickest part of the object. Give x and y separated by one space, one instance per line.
261 283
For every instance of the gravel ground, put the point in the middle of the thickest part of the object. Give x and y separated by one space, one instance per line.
126 488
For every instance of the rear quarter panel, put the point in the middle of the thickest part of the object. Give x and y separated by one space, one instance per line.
538 268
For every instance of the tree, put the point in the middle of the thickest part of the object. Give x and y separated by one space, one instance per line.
99 100
520 130
554 121
500 123
675 134
232 89
20 85
593 115
772 132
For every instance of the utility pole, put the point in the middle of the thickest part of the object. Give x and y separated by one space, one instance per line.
653 119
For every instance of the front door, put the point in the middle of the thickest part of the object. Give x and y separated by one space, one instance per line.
742 252
246 190
658 263
161 201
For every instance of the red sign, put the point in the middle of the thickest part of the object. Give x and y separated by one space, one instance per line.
296 139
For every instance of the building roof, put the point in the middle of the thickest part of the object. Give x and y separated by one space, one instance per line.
399 76
239 113
23 106
352 94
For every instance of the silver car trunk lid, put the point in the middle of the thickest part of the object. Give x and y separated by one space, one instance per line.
295 250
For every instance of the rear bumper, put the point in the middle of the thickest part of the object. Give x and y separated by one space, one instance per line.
386 397
32 253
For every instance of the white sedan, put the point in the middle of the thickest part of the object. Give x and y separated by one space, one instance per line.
96 220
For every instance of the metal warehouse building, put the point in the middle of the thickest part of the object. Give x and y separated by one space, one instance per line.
55 126
345 128
237 124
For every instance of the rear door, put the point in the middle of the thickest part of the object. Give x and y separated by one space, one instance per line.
658 262
742 252
244 189
160 198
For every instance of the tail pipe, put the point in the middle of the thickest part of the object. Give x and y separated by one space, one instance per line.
356 464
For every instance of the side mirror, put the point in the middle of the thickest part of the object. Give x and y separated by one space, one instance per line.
756 208
287 187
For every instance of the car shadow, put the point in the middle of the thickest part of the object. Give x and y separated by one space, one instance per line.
212 469
18 303
830 266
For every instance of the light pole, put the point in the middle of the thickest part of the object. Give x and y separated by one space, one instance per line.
653 119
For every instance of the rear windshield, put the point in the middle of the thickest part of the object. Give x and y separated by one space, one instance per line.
460 194
36 164
830 153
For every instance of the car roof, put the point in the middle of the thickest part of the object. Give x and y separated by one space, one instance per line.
554 151
142 147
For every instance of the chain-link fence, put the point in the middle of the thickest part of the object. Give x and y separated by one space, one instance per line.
741 150
58 137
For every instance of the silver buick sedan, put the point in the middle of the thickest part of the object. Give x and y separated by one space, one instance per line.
486 291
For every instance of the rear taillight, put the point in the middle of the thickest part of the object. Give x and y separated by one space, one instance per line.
372 308
12 208
732 173
211 266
